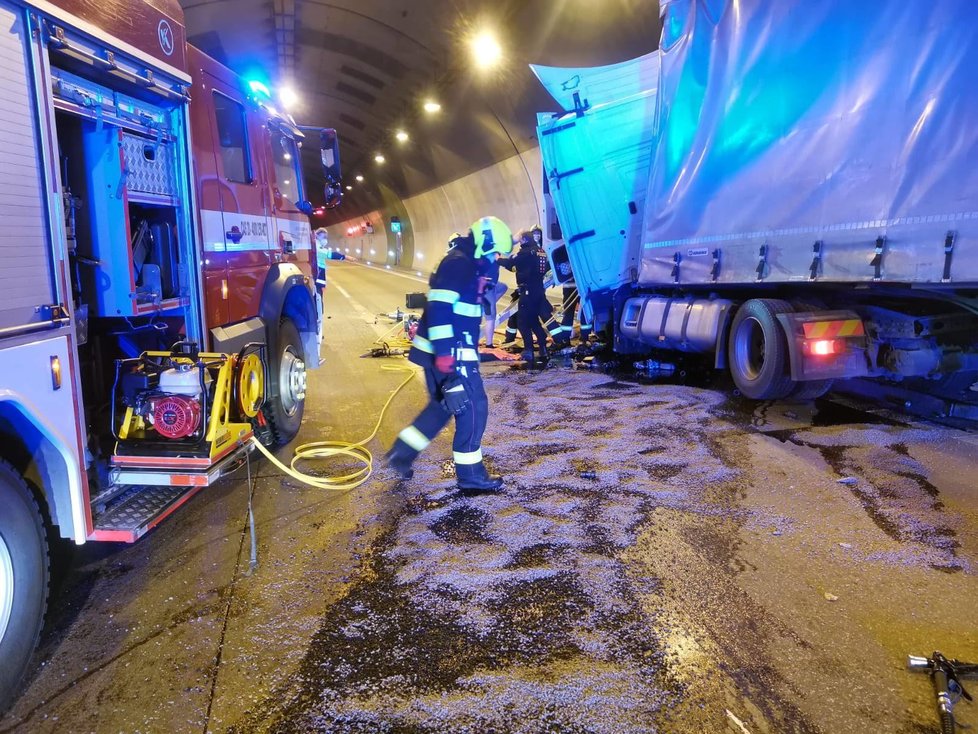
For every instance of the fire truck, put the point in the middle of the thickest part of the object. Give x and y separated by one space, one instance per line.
157 304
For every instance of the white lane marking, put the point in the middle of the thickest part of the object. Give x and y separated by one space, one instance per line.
381 269
366 315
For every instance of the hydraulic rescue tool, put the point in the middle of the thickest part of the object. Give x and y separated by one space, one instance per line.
947 684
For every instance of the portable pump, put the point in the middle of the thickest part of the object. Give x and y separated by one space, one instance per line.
186 405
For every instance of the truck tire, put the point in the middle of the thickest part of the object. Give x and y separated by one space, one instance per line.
287 385
810 389
758 350
23 579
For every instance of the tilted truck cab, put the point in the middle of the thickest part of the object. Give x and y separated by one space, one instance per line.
157 304
788 187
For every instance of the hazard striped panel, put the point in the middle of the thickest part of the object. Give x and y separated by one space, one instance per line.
833 329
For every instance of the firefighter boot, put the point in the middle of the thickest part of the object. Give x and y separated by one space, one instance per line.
399 460
474 479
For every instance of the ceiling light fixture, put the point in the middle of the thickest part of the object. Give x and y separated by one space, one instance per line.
379 158
359 178
288 97
349 188
402 137
486 51
431 107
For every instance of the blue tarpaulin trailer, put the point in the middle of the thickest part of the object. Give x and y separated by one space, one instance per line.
789 186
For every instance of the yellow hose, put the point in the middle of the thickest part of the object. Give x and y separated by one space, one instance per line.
328 449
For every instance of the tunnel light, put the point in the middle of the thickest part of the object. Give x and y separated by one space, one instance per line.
359 178
431 106
390 253
349 188
388 267
373 252
288 97
419 273
420 255
379 158
486 51
402 137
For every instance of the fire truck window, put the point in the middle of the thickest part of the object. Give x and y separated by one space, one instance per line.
233 139
286 167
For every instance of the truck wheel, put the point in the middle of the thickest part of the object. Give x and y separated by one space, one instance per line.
758 350
811 389
23 579
287 385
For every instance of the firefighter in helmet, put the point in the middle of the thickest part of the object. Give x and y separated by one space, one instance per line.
446 346
530 264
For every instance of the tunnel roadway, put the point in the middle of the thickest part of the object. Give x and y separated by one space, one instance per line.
768 564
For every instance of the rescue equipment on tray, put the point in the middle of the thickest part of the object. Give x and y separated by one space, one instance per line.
947 684
185 403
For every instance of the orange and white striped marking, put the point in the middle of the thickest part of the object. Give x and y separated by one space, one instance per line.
833 329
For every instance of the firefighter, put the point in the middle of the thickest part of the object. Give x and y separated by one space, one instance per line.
322 253
511 322
446 347
563 332
492 291
530 265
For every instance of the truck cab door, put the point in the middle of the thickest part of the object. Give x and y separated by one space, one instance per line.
291 234
243 225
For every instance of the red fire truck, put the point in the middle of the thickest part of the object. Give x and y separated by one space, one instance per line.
157 306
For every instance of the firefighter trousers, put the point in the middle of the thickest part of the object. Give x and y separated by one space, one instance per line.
529 319
469 426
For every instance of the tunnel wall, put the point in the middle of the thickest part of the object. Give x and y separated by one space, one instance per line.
510 190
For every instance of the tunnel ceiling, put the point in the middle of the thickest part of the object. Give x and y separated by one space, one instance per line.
364 67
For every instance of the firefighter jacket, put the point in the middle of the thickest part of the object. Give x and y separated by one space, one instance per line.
449 324
530 264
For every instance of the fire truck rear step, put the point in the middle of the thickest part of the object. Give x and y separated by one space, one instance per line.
137 511
153 495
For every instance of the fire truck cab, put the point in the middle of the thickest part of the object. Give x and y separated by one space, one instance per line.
157 305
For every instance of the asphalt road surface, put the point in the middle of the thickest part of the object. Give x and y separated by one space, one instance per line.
665 558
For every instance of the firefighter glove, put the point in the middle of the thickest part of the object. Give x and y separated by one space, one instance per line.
454 397
445 363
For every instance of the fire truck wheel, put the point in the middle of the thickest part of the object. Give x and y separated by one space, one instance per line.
758 350
23 579
287 385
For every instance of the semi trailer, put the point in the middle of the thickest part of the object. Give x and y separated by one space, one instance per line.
787 188
157 305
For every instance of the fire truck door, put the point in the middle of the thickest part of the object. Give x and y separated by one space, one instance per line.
26 284
244 222
292 237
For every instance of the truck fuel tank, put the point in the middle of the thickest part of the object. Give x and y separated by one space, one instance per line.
689 325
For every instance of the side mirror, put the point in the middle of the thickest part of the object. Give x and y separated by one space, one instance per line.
334 195
329 148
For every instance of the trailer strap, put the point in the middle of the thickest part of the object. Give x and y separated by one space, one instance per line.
816 260
761 262
948 253
877 261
